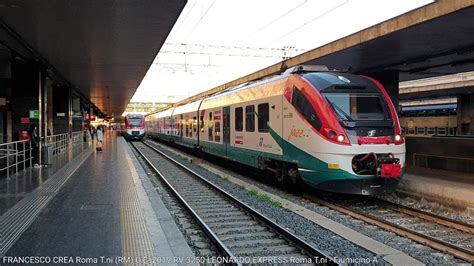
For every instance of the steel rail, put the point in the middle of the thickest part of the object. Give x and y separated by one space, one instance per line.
465 227
432 242
212 236
309 249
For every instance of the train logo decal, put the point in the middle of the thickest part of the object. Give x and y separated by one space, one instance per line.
371 133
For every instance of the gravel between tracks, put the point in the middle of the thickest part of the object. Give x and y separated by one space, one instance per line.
321 238
337 246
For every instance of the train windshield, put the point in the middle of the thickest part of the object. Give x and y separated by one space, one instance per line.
351 107
135 121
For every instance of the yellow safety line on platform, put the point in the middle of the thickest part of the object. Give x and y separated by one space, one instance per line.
137 247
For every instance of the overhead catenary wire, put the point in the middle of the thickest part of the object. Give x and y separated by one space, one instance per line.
185 17
200 19
281 16
311 21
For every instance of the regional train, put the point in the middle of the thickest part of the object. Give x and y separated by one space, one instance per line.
134 127
334 131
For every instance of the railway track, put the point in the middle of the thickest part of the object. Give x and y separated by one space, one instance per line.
437 232
239 232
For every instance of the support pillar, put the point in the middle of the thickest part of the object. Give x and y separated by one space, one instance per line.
5 94
465 114
24 96
389 80
77 117
61 107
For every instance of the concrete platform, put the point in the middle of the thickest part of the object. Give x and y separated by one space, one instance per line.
451 188
100 207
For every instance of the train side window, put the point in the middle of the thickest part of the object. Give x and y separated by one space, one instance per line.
239 119
263 117
201 121
250 118
304 107
430 131
217 126
411 130
210 129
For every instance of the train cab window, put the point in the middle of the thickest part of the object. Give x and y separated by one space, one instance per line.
263 117
239 119
250 118
304 107
217 127
210 128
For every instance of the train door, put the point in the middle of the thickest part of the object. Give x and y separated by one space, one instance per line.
181 121
226 128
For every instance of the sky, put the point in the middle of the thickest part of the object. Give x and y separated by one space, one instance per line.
217 41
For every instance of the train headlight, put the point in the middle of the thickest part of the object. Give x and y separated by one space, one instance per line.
340 138
398 138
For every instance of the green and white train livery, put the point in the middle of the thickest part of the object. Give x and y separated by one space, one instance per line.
334 131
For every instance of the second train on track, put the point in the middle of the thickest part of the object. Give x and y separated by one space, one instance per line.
334 131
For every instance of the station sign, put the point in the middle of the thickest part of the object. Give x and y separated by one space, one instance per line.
34 114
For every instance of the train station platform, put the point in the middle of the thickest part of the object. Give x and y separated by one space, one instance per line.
100 207
455 189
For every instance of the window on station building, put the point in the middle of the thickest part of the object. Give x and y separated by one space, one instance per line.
250 118
420 131
263 117
187 129
194 124
239 119
304 107
441 131
210 127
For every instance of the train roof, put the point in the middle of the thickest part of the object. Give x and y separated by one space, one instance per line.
319 76
130 115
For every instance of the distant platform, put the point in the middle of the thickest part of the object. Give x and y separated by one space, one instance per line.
454 189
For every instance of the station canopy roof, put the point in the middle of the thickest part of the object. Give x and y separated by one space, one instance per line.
103 48
432 40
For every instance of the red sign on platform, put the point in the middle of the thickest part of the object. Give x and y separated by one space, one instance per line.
25 120
23 135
